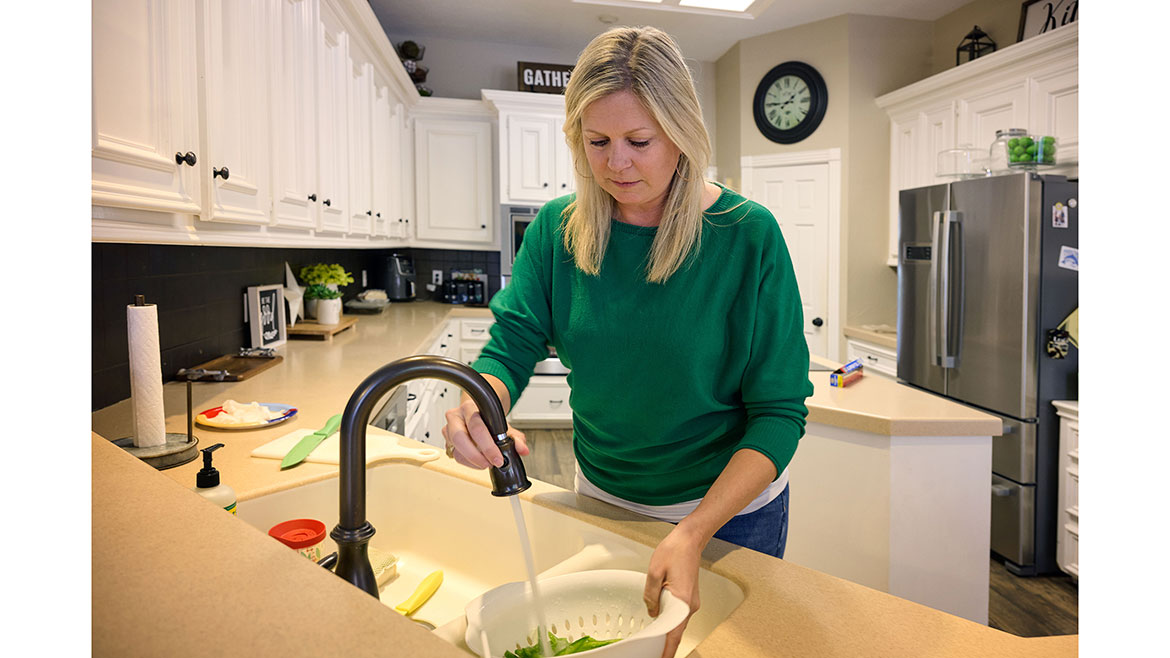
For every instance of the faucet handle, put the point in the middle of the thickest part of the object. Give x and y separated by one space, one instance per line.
510 478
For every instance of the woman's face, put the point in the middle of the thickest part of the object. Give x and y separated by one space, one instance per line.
628 153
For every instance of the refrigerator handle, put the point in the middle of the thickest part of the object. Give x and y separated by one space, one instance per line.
932 351
947 218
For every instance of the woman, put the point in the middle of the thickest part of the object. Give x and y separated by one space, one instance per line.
673 302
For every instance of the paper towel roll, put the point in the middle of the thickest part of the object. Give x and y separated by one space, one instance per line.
146 386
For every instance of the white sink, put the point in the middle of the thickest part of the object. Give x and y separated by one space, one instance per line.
435 521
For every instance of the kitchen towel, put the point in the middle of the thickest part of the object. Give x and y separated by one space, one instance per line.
146 386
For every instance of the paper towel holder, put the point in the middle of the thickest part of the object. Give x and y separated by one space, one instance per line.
178 449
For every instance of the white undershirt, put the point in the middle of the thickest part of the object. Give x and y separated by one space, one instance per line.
678 511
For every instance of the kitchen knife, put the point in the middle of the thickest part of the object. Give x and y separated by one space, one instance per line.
309 443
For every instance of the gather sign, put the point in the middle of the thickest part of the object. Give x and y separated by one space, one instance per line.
542 78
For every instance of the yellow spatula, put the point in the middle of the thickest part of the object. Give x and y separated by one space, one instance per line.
422 593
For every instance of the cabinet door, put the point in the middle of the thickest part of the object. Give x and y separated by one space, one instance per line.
294 114
530 158
566 180
236 140
395 152
145 105
453 180
332 125
938 134
983 113
1052 110
361 211
905 149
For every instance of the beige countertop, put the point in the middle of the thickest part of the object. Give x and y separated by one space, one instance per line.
884 338
172 575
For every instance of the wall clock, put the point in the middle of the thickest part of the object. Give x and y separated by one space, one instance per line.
790 102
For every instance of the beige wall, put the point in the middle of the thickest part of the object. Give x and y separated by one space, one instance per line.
861 58
1000 19
884 54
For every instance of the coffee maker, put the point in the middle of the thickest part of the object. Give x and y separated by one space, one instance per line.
399 278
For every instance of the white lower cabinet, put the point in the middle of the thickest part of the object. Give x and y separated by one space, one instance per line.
544 403
1068 531
878 360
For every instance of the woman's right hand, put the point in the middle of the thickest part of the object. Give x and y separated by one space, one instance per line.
471 443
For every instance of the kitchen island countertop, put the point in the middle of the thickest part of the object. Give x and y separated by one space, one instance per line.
169 553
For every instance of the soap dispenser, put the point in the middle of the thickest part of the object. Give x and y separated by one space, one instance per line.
207 483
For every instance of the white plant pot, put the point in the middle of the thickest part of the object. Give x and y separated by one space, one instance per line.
329 311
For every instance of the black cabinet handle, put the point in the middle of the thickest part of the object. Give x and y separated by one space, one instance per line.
220 172
312 197
817 322
326 202
188 159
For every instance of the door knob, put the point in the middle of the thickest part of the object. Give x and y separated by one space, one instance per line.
817 322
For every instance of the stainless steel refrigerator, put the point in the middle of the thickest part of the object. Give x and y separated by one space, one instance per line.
987 274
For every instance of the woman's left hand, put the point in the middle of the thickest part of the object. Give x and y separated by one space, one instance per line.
675 566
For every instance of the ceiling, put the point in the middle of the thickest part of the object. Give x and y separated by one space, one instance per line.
557 23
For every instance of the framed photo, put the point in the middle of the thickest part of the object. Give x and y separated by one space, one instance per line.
1040 16
265 314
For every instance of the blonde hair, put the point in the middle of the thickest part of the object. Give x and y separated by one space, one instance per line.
647 62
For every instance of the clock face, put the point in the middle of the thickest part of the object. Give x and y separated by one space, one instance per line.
787 102
790 102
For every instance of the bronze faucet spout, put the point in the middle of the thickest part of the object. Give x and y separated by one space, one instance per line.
353 531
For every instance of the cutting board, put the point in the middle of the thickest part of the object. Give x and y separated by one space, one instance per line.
380 444
310 329
238 367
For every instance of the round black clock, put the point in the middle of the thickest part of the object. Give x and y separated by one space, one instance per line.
790 102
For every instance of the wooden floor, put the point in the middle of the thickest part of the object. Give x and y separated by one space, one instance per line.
1037 606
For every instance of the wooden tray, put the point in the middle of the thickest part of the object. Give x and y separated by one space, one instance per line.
310 329
239 367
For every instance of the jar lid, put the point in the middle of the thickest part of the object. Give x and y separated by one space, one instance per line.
1011 132
298 533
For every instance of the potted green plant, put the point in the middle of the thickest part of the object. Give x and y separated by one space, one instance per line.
322 294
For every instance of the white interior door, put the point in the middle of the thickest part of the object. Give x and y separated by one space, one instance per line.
798 196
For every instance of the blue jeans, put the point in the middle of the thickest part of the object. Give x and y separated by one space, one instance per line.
764 530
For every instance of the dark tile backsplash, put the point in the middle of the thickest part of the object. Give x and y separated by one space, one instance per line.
199 291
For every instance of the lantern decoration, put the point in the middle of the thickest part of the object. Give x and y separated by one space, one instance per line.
975 44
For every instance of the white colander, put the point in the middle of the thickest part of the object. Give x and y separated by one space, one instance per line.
602 604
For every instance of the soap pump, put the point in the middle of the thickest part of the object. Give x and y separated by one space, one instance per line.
207 483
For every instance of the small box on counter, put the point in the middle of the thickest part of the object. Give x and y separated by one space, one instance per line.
846 374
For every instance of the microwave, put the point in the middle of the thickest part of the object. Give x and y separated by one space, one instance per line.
515 220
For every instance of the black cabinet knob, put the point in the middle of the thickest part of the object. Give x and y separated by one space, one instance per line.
377 214
188 159
817 322
369 212
220 173
326 202
564 185
483 225
546 184
312 197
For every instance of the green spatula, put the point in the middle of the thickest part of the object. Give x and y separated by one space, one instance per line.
309 443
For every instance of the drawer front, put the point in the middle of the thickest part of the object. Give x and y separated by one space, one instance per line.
875 359
475 329
543 401
1012 530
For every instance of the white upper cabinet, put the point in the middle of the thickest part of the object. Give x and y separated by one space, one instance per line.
145 140
236 178
1030 85
294 114
453 174
333 77
383 172
361 203
535 164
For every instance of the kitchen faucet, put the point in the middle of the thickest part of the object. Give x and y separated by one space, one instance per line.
353 531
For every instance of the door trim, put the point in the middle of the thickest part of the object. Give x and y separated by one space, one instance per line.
832 157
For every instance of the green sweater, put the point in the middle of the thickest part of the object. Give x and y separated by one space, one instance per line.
668 380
